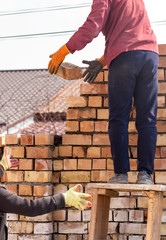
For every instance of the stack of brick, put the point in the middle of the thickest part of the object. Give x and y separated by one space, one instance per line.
82 157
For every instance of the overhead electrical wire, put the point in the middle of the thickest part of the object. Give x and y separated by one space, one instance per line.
62 33
47 9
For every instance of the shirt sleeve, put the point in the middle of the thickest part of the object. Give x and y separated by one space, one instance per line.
92 26
11 203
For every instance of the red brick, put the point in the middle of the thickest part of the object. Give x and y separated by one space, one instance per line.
79 152
132 128
25 190
17 152
65 151
72 126
102 114
20 227
57 165
133 139
73 227
125 202
162 49
56 152
43 228
101 139
39 152
110 165
162 62
11 139
76 102
85 113
106 152
105 102
38 176
84 164
27 139
42 164
161 114
160 177
133 228
74 216
12 176
161 101
93 152
93 89
106 76
75 176
160 74
87 126
76 139
101 176
99 164
59 215
12 188
162 87
161 126
69 71
44 139
133 164
136 216
26 164
160 164
56 177
95 101
42 190
163 151
161 140
60 188
101 126
70 164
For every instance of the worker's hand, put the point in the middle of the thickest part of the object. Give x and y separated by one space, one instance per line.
57 58
92 71
77 199
8 161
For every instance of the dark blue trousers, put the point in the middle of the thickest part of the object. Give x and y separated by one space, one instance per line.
133 74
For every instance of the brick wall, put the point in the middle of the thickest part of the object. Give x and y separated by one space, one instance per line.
48 167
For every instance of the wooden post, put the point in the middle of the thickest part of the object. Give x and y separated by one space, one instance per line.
155 208
100 214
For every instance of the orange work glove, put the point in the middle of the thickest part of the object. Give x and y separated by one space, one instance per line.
57 58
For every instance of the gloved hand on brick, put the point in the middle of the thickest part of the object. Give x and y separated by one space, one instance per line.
93 70
8 161
76 199
57 58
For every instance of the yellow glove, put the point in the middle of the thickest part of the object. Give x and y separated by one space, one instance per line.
77 199
57 58
7 161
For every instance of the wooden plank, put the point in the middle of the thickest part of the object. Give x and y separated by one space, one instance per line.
69 71
127 187
109 193
99 216
155 207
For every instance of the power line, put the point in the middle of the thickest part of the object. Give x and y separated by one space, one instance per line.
62 33
54 8
162 22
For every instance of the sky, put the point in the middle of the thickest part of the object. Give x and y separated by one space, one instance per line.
50 24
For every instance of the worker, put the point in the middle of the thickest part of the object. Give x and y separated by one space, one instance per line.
131 55
11 203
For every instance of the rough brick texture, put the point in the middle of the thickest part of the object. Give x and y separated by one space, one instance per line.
83 156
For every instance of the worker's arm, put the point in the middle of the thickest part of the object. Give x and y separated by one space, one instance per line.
11 203
93 70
